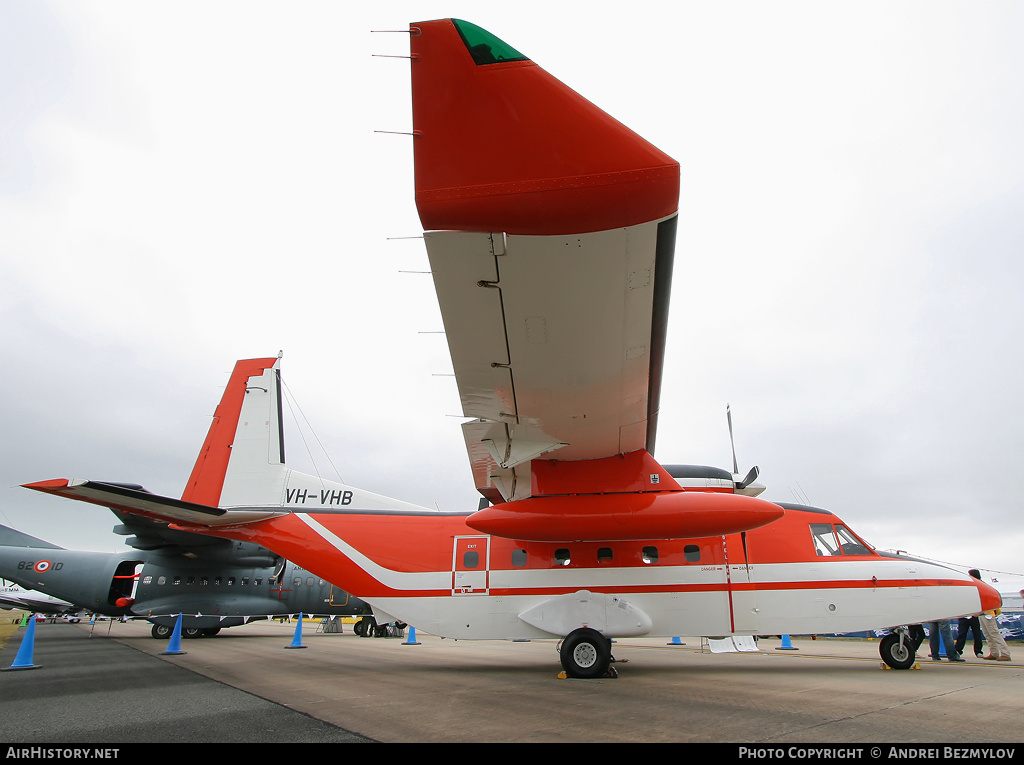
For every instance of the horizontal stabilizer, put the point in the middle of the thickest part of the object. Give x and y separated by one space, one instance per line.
137 500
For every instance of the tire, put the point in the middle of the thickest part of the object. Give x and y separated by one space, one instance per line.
895 655
160 632
210 631
586 653
191 632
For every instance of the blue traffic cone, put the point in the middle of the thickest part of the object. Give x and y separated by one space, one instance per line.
174 644
24 658
787 645
676 641
297 640
412 636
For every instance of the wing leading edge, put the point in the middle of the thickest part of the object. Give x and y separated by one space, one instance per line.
550 233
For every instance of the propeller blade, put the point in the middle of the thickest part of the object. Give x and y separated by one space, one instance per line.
732 442
751 476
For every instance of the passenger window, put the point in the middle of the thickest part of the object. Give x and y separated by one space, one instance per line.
297 581
849 544
650 555
470 559
604 554
147 580
161 580
519 558
310 581
825 543
562 557
691 553
190 580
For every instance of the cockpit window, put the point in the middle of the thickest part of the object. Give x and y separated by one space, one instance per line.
484 47
824 537
849 544
837 541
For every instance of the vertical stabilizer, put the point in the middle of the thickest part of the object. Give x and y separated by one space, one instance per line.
245 434
241 464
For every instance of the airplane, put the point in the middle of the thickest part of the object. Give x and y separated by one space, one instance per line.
167 573
14 596
550 230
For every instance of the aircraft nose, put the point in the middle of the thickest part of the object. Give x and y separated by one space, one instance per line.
990 598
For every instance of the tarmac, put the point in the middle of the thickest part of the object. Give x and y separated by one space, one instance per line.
109 683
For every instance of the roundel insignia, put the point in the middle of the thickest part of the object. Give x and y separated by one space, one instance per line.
42 566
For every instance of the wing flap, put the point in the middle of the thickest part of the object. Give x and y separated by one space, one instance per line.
554 340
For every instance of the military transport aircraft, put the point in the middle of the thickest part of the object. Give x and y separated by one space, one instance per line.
550 231
167 572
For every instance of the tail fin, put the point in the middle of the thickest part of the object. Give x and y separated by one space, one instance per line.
245 438
240 476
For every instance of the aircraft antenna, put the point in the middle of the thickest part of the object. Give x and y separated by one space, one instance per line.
290 398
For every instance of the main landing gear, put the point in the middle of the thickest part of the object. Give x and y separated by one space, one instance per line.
897 649
586 653
161 632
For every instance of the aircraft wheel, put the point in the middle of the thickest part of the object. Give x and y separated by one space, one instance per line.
895 655
585 653
360 628
191 632
210 631
160 632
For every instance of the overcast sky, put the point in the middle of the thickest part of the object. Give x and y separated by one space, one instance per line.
183 184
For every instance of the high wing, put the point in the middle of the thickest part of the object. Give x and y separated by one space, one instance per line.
550 232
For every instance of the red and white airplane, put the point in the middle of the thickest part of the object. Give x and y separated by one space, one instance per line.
550 232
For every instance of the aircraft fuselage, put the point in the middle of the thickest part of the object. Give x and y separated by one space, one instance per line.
804 573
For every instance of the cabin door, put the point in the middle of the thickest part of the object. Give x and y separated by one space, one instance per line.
470 563
740 579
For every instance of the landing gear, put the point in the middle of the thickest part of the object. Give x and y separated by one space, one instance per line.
160 632
586 653
191 632
365 626
210 631
897 650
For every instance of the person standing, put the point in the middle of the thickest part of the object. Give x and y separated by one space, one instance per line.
997 649
970 624
941 630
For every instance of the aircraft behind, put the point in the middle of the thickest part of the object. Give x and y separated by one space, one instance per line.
14 596
166 573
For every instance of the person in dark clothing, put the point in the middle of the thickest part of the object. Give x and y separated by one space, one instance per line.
972 625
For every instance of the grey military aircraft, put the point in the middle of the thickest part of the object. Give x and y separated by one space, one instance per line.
212 583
